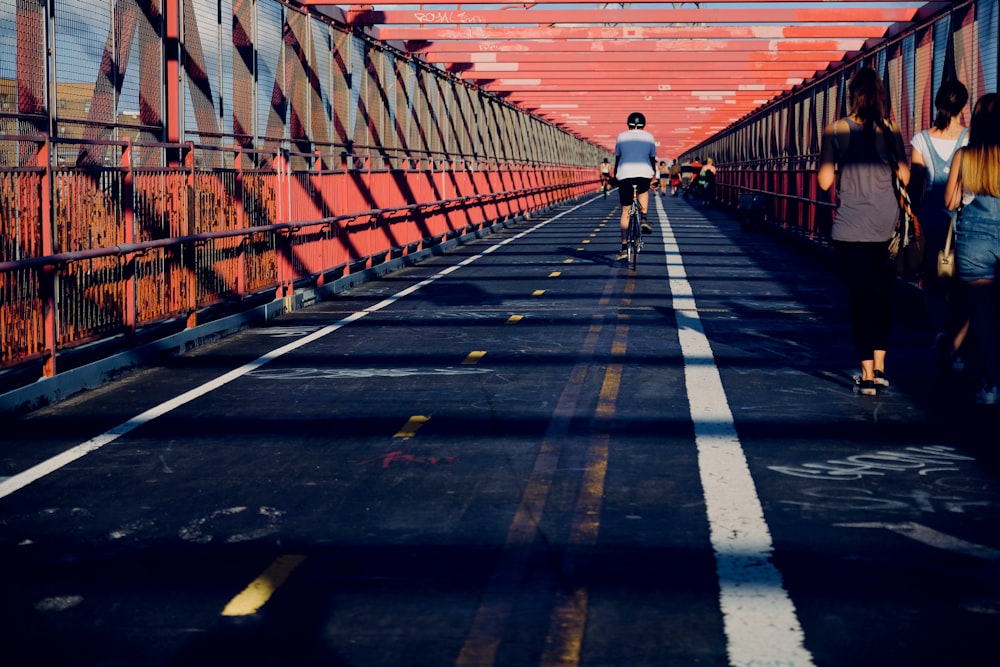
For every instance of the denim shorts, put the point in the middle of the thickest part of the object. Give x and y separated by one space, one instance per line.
977 246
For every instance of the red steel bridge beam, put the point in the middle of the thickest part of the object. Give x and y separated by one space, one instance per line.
464 3
635 19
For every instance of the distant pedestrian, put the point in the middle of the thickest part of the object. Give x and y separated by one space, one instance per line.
706 179
675 178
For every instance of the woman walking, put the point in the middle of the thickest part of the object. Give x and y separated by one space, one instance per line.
859 146
974 184
930 165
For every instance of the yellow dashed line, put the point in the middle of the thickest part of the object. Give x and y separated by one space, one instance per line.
609 391
411 426
568 261
260 590
562 645
514 319
586 241
555 274
538 292
474 357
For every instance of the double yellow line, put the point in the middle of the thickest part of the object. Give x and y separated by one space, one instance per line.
564 640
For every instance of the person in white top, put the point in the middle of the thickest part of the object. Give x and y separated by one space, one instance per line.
605 177
635 164
930 164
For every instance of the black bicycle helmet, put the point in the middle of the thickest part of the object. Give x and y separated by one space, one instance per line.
636 121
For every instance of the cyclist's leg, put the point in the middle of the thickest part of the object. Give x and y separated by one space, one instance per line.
643 192
625 198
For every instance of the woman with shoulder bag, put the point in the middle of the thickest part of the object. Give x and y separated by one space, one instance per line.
974 184
859 147
930 165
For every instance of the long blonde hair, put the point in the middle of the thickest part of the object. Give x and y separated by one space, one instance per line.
981 158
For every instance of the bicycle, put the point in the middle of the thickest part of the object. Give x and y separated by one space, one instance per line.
633 237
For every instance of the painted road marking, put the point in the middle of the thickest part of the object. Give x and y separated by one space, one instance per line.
36 472
411 427
486 631
555 274
567 624
932 538
538 292
474 357
260 590
759 618
514 319
344 373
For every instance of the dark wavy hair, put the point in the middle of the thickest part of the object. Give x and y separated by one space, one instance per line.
866 96
951 98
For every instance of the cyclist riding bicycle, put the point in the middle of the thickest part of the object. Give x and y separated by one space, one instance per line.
635 164
605 177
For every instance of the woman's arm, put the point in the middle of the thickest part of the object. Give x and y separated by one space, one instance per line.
899 151
953 190
828 158
918 177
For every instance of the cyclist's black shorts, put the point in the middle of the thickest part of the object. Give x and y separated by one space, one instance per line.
625 188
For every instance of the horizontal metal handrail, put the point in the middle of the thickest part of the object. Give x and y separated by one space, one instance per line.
122 249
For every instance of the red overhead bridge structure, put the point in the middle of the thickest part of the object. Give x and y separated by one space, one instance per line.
693 68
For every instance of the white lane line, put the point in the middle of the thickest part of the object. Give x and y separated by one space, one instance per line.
36 472
932 538
760 621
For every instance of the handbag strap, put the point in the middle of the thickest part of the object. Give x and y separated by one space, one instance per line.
951 231
909 218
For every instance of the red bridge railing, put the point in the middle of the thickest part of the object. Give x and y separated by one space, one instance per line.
90 253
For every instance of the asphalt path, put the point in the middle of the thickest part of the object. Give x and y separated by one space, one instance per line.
520 452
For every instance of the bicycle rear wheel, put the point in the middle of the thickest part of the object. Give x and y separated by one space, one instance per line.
634 237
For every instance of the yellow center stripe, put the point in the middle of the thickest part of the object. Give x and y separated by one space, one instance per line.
260 590
410 427
474 357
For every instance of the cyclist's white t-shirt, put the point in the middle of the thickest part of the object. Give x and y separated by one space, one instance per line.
635 148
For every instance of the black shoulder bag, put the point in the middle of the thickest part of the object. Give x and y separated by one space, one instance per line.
906 247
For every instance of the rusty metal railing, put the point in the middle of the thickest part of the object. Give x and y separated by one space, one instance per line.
91 253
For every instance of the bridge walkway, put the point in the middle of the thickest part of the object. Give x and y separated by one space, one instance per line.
519 452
